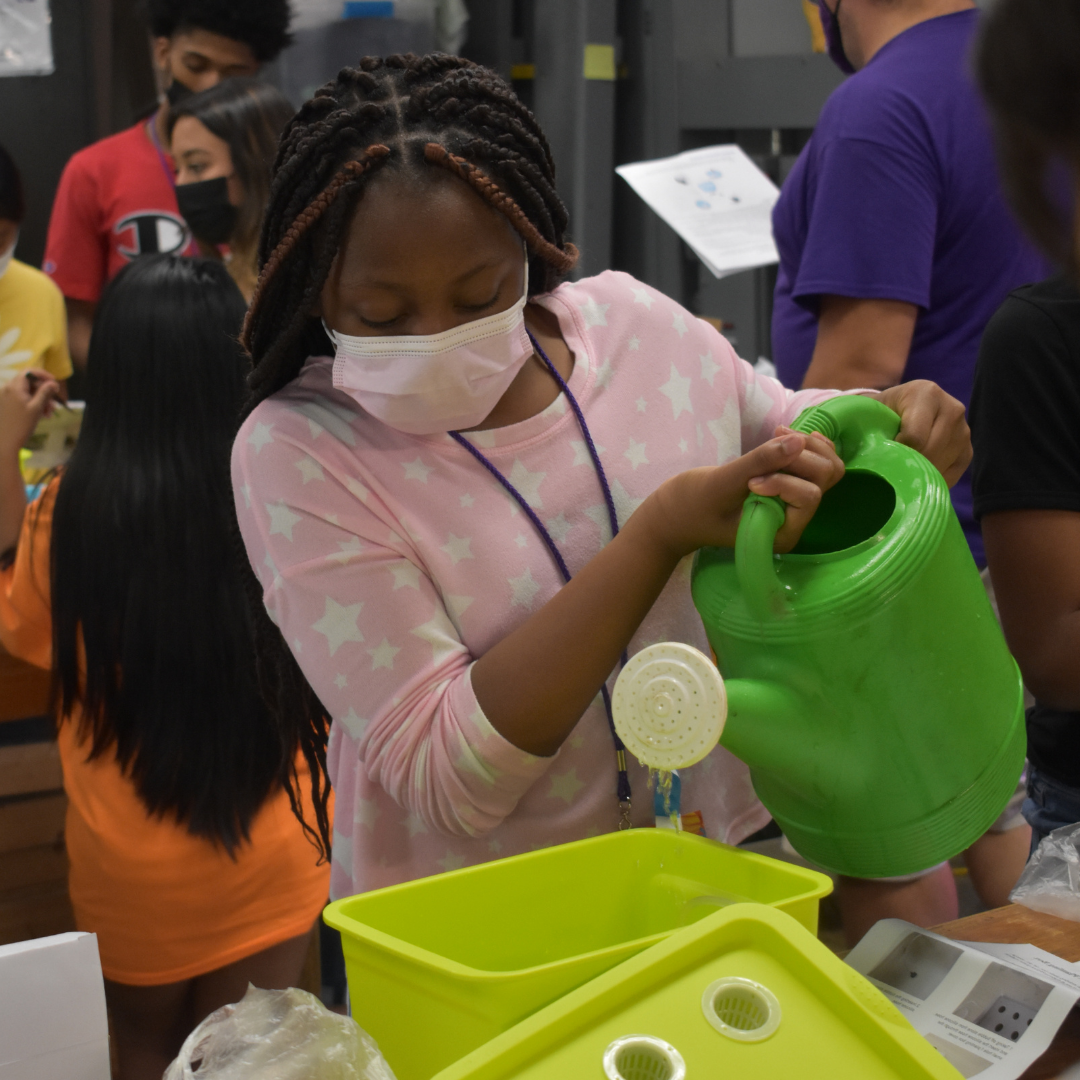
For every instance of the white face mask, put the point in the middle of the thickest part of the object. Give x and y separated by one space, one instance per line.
7 256
428 384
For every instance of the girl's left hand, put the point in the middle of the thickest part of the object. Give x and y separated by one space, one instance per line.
23 402
932 422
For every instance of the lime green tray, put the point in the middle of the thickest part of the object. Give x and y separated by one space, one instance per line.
439 966
746 993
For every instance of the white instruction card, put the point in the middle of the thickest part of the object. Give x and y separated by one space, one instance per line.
717 200
990 1010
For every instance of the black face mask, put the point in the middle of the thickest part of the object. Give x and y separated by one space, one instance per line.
177 92
206 208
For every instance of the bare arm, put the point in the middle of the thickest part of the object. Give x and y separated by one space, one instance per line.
535 684
1034 559
20 410
861 343
80 320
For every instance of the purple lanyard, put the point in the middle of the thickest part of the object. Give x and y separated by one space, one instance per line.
622 786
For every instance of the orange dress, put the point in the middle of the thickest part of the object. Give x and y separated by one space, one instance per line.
166 905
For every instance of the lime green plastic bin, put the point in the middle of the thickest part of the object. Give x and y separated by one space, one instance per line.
439 966
747 994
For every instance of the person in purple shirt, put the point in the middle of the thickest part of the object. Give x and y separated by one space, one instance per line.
896 246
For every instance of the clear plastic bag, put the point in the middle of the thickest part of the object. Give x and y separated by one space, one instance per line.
1051 880
278 1035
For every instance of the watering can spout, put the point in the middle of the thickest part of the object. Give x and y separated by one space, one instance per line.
761 726
671 707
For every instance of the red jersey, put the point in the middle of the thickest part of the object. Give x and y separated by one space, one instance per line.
116 200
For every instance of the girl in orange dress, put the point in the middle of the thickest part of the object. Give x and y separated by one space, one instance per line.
187 859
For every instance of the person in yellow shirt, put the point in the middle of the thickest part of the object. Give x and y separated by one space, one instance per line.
33 323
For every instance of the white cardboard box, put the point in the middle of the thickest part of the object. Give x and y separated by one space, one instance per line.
53 1024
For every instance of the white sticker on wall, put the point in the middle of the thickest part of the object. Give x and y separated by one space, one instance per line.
25 38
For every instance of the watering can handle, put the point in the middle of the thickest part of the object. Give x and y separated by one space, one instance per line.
852 422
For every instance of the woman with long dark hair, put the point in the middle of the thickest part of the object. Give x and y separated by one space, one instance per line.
187 859
223 142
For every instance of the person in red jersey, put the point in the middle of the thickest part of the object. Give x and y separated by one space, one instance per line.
116 198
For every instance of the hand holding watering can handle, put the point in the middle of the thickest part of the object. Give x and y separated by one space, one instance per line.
852 422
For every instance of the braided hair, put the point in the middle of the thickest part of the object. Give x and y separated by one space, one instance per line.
408 114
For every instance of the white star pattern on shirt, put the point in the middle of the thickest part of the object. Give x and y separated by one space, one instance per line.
406 575
677 391
624 504
726 433
678 323
756 406
595 314
338 623
709 367
416 470
268 561
466 501
382 656
565 786
494 846
353 724
641 404
439 633
349 548
357 489
415 824
683 446
367 813
643 296
457 548
282 520
520 540
450 861
298 646
523 589
559 527
603 376
246 492
634 344
635 454
310 469
527 484
260 436
581 451
340 681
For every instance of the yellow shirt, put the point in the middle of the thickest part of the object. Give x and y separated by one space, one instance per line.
33 324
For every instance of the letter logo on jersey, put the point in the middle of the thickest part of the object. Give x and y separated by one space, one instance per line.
150 232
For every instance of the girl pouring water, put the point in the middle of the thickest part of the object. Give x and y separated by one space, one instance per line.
468 487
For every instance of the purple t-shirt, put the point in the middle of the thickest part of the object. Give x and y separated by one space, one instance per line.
896 197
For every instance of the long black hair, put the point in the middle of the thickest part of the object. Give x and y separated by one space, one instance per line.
408 114
249 115
1028 67
142 566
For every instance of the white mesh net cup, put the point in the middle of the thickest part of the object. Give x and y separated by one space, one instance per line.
669 705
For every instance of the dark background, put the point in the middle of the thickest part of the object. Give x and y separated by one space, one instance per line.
103 80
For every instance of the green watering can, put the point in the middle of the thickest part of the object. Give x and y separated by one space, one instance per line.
863 677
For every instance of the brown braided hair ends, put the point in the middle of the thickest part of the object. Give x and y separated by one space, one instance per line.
407 114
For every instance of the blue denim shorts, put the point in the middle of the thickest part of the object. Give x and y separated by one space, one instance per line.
1049 805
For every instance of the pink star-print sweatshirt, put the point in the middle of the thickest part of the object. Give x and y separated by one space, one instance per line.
390 562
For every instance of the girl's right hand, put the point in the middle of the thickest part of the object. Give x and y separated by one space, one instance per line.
702 507
23 402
